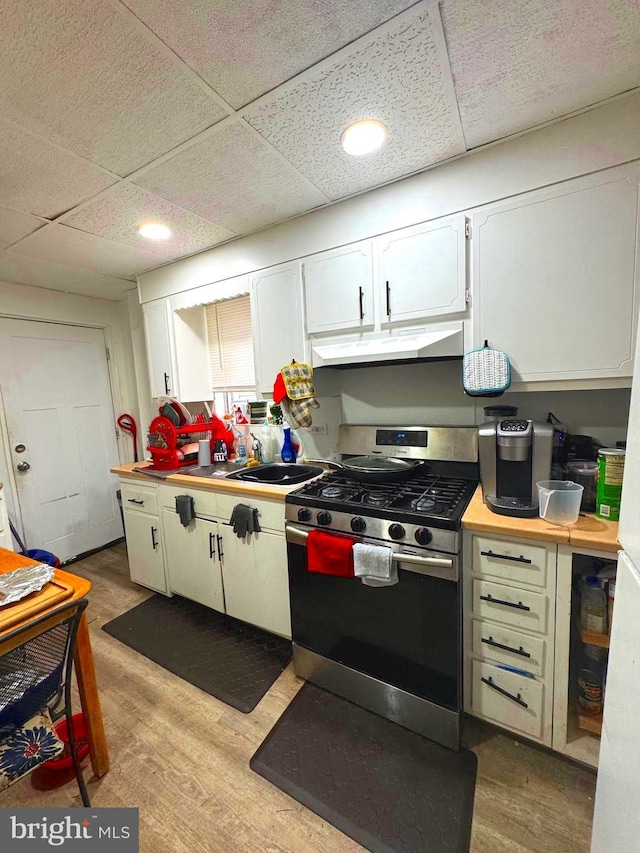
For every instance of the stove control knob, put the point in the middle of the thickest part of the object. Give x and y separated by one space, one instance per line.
396 531
324 517
358 525
423 536
304 515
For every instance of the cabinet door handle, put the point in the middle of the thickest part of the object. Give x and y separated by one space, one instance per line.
519 559
212 546
361 298
135 501
492 642
153 538
490 683
388 299
518 606
220 551
166 383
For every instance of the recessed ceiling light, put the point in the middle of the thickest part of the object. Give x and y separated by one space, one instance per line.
154 231
363 137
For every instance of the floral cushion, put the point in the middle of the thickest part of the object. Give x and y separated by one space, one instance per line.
28 746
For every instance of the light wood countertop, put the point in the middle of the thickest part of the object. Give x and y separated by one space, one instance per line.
588 532
214 484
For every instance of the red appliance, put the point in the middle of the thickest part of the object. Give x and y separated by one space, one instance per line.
166 441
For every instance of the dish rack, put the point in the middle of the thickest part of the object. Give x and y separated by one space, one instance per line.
166 440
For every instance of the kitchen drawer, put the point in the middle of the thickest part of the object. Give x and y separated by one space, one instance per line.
514 561
204 500
508 699
509 647
139 497
520 608
270 513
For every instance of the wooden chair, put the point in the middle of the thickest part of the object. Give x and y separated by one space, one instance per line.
36 663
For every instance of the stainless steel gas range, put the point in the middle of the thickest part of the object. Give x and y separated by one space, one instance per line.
396 650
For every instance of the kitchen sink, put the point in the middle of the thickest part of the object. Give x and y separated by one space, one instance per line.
277 474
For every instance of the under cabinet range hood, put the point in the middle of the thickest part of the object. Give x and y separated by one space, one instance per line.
442 341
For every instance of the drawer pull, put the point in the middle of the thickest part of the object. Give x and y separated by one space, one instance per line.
136 501
492 642
519 559
518 606
489 682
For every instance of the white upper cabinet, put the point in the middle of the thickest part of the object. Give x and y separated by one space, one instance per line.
277 321
339 289
422 271
555 278
157 324
177 351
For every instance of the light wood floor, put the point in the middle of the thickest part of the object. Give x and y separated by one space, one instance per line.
182 757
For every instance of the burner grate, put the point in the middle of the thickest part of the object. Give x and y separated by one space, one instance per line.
424 493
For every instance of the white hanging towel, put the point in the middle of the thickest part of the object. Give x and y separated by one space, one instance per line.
374 565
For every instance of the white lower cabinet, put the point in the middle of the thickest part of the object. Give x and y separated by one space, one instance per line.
144 550
5 530
205 561
509 633
256 586
193 562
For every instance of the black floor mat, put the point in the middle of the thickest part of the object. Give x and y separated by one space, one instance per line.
388 788
226 658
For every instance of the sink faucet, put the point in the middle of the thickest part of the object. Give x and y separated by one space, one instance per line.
256 447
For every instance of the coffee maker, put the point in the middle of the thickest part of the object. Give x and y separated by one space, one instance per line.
514 456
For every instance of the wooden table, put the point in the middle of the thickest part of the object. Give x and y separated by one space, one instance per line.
83 659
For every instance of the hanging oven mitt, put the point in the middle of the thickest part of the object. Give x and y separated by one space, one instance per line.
486 372
297 379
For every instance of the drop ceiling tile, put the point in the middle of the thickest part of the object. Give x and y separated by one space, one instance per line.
14 226
245 49
39 178
516 65
79 73
232 178
118 214
61 245
399 76
21 270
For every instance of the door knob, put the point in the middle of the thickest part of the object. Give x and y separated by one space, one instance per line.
23 466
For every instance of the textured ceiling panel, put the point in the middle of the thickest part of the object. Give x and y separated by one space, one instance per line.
245 49
516 65
118 214
20 270
398 76
62 245
39 178
77 72
233 179
14 226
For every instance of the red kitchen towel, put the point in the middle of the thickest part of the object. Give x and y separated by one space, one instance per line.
329 555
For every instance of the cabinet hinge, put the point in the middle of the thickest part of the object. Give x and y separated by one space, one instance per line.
106 349
467 229
467 296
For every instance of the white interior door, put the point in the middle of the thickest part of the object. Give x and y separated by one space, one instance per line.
57 401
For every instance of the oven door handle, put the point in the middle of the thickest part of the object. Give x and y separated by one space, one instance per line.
439 567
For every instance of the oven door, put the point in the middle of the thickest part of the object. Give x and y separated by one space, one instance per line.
407 635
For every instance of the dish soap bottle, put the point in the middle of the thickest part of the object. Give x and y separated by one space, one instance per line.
241 448
288 452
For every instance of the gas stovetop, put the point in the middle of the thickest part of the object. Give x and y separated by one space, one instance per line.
429 496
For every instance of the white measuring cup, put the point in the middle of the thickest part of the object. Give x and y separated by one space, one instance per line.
559 501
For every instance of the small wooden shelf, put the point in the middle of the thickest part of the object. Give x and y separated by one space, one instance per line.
590 724
595 639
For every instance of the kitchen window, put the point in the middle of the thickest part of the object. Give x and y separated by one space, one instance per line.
231 360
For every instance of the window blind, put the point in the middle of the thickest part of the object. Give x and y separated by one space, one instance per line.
231 345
